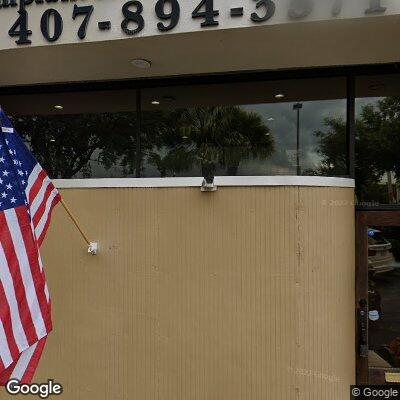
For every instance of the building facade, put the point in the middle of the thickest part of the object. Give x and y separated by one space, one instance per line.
227 157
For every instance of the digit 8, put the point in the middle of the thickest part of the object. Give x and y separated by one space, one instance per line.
132 16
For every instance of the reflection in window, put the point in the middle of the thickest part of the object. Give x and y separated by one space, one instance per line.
79 135
82 145
263 128
204 141
384 296
378 140
294 127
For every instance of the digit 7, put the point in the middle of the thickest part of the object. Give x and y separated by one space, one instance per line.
87 12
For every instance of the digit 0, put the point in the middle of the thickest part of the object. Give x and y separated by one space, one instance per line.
45 24
132 17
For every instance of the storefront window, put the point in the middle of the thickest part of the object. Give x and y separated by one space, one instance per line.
79 135
281 127
378 140
261 128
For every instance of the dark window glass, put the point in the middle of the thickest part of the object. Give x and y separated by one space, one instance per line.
79 135
378 140
384 297
259 128
256 128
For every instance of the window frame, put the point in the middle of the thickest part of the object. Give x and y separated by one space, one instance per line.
349 73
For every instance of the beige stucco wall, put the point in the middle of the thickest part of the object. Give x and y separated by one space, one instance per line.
245 293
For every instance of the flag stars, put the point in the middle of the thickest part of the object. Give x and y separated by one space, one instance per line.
2 160
9 186
13 200
6 173
20 173
23 182
4 195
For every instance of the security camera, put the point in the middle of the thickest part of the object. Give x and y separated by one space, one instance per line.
208 184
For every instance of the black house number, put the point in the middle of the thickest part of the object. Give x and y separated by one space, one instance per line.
168 13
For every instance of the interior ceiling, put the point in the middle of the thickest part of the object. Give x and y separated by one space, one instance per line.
367 40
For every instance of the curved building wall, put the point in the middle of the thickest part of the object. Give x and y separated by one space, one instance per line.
243 293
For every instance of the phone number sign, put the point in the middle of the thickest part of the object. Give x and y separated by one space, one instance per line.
53 19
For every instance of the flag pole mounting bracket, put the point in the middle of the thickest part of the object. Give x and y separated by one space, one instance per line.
93 247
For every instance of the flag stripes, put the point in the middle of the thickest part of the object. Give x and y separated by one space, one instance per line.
27 198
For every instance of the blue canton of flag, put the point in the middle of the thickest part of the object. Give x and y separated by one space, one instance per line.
16 164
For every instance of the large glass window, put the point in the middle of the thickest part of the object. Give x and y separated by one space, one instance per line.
257 128
378 140
79 135
280 127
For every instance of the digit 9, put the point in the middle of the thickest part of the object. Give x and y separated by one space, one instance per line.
173 15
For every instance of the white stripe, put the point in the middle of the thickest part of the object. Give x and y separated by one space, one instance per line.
32 178
46 292
7 130
39 198
5 354
9 290
23 362
42 223
20 250
233 181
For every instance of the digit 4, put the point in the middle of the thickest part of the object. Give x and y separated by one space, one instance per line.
208 14
22 32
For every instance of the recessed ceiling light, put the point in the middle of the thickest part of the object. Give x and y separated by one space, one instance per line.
279 96
59 107
155 102
141 63
52 140
271 119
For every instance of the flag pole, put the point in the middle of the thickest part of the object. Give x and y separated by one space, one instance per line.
92 247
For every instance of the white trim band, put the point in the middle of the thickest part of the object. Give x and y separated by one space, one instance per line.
312 181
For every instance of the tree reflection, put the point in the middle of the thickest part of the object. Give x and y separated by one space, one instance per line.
65 144
173 141
209 137
377 149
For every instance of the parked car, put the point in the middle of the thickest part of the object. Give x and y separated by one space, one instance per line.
380 256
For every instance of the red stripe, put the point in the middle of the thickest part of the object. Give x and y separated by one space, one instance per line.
36 186
32 366
5 317
6 374
42 208
55 201
39 278
13 265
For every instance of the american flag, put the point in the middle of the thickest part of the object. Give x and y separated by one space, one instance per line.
27 198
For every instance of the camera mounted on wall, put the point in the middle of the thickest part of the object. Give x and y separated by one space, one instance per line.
208 184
